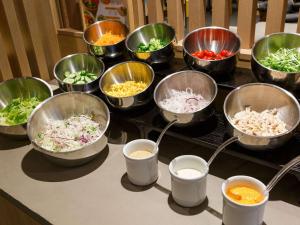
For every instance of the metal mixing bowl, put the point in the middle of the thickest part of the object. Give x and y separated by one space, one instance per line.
199 82
96 30
270 44
74 63
55 108
128 71
23 87
259 97
215 39
143 34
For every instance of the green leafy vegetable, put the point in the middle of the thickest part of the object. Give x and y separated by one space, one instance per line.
18 111
153 45
284 59
80 77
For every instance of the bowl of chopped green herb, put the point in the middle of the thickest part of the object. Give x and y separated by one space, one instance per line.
78 72
151 43
276 59
18 98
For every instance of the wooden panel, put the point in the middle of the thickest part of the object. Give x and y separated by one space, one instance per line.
196 14
37 39
139 12
175 17
246 22
155 11
16 34
275 16
130 13
298 25
5 69
70 41
11 215
220 13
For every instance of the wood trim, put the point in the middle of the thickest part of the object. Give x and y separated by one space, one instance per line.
5 68
246 22
220 13
155 11
197 10
298 24
275 16
175 17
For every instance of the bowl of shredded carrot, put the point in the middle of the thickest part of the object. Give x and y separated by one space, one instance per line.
106 38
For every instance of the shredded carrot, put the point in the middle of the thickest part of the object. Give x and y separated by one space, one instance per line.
109 39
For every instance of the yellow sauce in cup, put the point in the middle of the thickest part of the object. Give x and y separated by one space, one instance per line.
245 195
140 154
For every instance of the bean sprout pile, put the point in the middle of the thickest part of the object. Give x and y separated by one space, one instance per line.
69 134
184 101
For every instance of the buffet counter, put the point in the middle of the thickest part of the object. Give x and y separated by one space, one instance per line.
100 193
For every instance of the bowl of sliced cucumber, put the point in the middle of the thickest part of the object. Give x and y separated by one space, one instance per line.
78 72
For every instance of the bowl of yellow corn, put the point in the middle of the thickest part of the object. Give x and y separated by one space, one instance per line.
128 84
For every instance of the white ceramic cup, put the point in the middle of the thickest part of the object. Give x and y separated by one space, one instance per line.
141 171
237 214
188 192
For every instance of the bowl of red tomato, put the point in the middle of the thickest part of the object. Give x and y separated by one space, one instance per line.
212 50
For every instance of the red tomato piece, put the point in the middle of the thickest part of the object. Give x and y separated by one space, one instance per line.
219 56
200 54
225 53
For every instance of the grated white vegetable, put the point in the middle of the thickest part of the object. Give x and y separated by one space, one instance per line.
69 134
183 101
265 123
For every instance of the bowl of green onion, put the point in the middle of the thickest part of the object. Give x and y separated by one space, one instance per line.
18 98
151 43
78 72
276 59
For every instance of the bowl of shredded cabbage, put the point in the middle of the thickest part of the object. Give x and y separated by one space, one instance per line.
69 134
18 98
127 85
186 96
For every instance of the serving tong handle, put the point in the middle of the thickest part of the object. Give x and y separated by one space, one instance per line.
286 168
163 132
221 147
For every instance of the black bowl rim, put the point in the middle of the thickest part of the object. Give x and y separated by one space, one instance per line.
28 78
99 62
211 28
178 73
57 96
126 62
150 24
262 84
268 36
102 21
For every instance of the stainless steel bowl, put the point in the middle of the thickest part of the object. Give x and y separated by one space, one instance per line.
128 71
199 82
215 39
23 87
270 44
55 108
259 97
74 63
143 34
96 30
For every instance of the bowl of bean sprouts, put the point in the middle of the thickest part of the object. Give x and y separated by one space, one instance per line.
186 96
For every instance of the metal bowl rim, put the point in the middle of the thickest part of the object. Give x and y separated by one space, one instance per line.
126 62
176 73
263 84
99 61
57 96
25 78
211 28
265 37
150 24
101 21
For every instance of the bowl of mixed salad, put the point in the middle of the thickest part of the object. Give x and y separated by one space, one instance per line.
151 43
276 59
78 72
18 98
69 134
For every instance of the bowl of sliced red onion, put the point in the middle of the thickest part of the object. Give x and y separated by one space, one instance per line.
186 96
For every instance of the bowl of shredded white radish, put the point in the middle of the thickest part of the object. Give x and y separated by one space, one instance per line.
69 128
186 96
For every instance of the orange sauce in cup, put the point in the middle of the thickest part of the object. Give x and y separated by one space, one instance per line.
245 195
